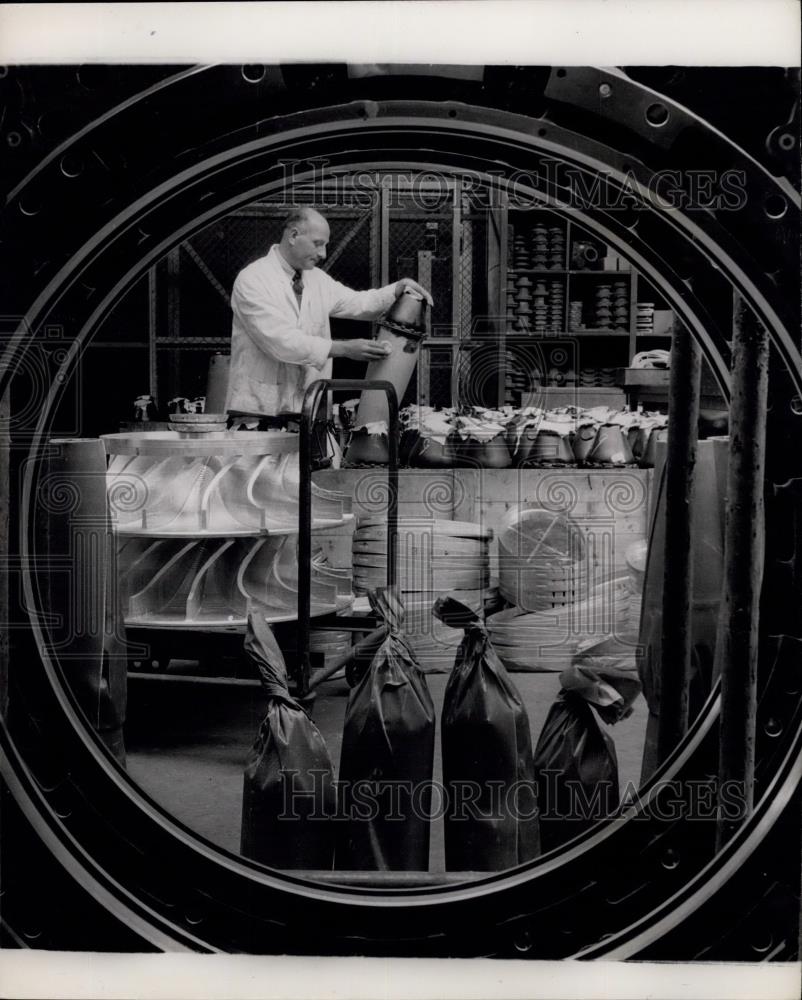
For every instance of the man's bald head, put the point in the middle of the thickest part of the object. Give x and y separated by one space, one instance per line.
305 238
300 216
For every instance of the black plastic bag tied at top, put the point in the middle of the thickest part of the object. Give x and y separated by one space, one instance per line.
490 820
576 766
385 780
289 796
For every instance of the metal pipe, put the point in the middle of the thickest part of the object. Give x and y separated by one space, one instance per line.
5 499
675 645
744 551
247 682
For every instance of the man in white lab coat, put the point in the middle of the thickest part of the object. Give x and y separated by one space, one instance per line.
281 340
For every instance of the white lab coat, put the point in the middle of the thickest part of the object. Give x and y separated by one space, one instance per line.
277 349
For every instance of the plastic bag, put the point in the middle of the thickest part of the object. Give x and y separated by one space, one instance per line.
385 779
288 796
491 819
576 767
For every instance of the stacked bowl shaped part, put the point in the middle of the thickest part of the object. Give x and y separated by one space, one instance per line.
610 447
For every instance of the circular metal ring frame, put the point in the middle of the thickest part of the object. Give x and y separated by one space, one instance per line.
175 890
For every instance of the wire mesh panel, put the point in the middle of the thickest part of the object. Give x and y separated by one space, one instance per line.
208 263
441 374
413 230
193 315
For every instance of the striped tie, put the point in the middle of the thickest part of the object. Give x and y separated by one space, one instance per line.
298 286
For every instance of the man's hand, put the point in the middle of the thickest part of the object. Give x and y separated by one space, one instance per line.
415 287
359 350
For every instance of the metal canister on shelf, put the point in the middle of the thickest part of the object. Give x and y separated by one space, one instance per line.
145 409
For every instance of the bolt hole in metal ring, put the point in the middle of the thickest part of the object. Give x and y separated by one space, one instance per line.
670 860
763 944
71 166
29 206
787 141
605 90
13 139
523 942
775 206
657 114
253 73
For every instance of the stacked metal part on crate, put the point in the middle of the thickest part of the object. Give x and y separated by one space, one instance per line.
549 573
434 557
477 437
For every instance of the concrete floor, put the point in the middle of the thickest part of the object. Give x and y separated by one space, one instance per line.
187 745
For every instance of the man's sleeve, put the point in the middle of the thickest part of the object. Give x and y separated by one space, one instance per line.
267 325
348 304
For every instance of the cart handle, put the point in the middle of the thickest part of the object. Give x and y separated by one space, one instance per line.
309 409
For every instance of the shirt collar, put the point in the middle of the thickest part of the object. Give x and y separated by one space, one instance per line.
285 266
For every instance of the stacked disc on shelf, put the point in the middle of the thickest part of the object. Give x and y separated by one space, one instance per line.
434 556
521 260
540 307
523 296
620 305
540 246
556 248
510 302
575 315
603 314
644 317
556 304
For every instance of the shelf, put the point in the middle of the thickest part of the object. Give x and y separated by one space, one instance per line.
173 342
600 274
534 338
573 271
538 270
599 332
230 531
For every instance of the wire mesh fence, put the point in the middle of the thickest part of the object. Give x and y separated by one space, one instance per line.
191 314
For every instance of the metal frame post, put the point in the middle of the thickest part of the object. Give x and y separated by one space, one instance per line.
675 659
744 550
